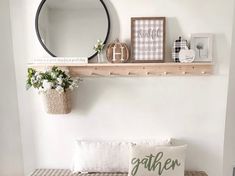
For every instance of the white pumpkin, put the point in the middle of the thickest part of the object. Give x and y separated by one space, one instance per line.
187 56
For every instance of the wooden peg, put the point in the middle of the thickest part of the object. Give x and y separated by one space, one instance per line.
114 74
164 73
130 73
184 73
94 74
203 72
150 73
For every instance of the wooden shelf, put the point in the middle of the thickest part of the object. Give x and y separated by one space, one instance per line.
133 69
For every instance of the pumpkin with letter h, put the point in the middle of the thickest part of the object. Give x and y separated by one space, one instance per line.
117 52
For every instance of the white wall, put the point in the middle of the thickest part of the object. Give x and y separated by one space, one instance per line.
11 162
188 108
229 141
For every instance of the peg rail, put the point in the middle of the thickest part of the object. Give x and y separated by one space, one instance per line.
133 69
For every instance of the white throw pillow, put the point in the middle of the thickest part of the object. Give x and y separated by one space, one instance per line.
157 160
105 156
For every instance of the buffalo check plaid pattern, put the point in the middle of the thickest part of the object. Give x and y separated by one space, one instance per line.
178 45
148 39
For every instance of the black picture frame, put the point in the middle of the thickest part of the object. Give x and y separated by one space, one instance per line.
44 46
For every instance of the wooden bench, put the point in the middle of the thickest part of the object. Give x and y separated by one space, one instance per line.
66 172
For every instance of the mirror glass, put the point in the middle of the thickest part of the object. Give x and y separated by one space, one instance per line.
71 28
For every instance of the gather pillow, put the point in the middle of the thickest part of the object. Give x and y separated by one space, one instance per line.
106 156
148 160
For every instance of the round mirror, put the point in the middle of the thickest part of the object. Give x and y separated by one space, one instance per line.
71 28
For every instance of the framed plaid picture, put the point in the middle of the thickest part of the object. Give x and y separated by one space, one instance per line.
148 39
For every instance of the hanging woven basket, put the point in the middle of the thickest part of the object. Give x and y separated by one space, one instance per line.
57 103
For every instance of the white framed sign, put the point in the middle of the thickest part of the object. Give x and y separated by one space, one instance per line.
202 44
148 39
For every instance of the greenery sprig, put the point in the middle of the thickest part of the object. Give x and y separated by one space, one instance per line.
99 46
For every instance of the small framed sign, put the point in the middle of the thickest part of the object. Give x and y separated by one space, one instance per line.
202 45
148 39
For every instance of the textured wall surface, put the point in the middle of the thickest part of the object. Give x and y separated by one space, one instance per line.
11 162
229 140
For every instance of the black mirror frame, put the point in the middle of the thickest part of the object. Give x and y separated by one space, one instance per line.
39 36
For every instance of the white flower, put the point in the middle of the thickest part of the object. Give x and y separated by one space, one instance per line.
60 80
33 80
41 90
96 46
75 83
46 85
59 89
71 87
39 77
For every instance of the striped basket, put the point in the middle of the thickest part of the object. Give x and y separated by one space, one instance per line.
66 172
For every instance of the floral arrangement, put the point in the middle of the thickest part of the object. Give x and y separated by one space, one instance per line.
99 46
50 79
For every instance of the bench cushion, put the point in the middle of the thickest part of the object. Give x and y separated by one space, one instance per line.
66 172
